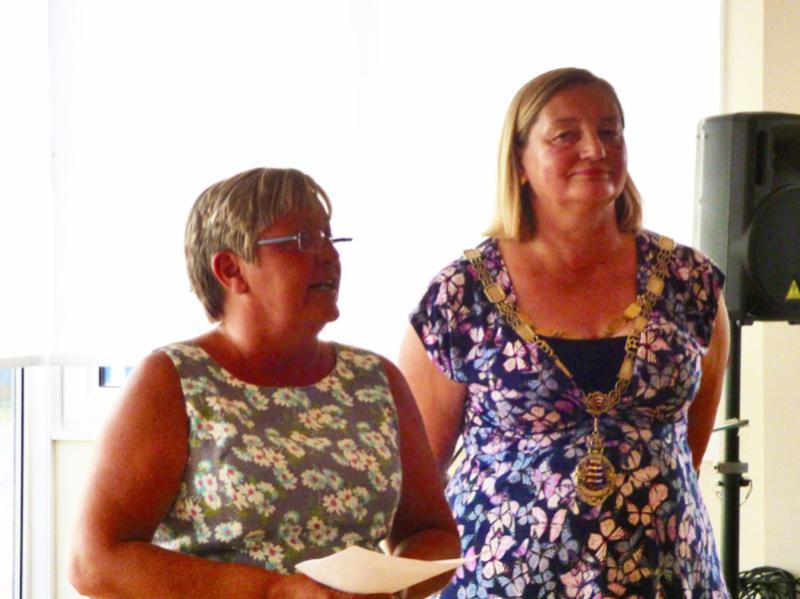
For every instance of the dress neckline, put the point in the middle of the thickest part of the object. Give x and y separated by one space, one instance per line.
643 243
614 340
239 382
641 239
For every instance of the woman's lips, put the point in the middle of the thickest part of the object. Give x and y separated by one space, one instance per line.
327 285
590 173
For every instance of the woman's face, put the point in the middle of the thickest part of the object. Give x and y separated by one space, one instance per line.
575 158
294 288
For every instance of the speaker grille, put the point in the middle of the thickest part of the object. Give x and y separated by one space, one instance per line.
748 210
774 253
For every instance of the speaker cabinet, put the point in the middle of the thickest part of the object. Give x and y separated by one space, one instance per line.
748 210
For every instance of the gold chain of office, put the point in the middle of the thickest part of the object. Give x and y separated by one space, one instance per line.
594 477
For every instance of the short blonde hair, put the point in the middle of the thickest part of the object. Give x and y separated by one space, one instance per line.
513 216
229 215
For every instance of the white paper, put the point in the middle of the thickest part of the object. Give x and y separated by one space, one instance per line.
359 570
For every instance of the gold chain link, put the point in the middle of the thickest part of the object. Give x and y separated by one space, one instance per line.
596 403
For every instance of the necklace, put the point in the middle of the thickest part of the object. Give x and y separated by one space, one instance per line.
595 477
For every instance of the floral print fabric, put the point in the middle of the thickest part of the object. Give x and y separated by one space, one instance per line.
524 430
280 475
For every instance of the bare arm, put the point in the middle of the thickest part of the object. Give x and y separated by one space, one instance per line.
440 400
703 409
140 459
423 527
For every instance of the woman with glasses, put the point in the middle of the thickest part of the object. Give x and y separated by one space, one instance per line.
578 359
235 455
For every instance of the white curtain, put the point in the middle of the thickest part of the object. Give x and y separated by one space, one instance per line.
394 107
26 228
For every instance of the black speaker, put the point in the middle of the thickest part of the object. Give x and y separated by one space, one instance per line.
748 210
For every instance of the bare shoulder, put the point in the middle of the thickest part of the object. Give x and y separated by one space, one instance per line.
154 384
392 371
151 411
158 367
398 385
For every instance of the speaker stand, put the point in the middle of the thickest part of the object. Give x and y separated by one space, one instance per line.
732 470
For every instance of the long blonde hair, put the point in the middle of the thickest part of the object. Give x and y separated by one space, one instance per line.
513 217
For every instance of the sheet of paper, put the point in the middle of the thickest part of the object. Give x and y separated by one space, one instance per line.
359 570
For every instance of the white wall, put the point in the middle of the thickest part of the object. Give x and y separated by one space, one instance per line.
395 107
26 232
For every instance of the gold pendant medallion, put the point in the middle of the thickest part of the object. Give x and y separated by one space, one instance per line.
594 478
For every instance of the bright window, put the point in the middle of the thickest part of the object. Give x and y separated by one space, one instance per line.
394 107
9 468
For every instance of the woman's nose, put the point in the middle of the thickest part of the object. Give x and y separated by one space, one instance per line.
592 147
327 251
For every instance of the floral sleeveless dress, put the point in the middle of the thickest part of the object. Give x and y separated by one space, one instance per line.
278 475
524 430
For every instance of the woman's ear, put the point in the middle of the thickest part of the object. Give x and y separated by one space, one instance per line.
523 179
227 268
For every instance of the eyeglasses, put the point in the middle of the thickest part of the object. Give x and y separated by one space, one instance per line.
310 241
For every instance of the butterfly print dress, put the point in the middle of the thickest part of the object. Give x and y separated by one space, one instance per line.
523 433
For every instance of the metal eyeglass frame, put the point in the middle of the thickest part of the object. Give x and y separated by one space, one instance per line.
313 244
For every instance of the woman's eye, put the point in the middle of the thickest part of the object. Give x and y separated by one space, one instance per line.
610 134
565 136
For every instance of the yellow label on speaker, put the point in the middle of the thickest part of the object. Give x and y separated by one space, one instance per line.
794 292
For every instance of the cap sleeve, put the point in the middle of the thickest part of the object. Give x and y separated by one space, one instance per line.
436 317
704 283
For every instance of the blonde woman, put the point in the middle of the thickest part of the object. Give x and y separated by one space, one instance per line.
578 359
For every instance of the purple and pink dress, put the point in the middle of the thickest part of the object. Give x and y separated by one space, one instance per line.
524 430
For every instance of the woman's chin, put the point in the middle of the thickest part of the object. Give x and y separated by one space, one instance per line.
328 314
